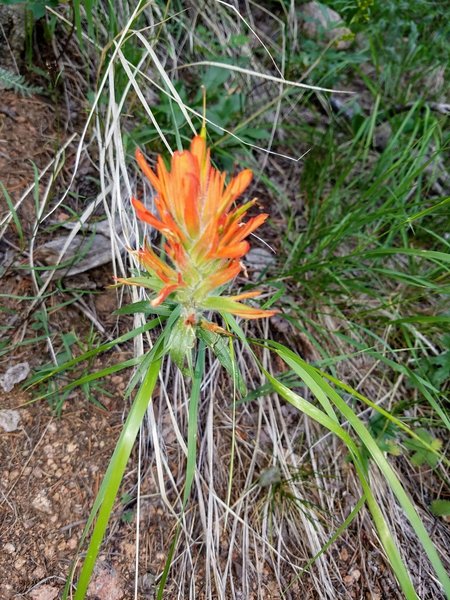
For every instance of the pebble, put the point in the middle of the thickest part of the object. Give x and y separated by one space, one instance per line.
9 420
9 548
19 563
42 504
72 543
38 573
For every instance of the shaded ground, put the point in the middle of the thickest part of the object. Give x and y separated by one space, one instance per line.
28 135
51 471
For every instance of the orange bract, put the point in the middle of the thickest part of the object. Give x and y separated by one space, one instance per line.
205 235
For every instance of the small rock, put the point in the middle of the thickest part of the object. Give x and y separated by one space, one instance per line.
38 573
19 563
9 420
343 555
147 583
270 476
322 23
44 592
13 375
259 259
382 136
9 548
352 577
72 543
435 81
105 584
52 428
42 504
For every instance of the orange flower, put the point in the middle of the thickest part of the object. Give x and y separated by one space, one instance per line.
204 232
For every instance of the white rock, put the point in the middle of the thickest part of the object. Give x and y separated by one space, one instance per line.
42 504
321 22
259 259
13 375
44 592
9 420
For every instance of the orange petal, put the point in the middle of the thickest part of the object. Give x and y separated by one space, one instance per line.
213 196
238 231
240 183
254 313
152 262
201 153
166 291
191 194
235 188
145 215
223 276
233 251
250 226
246 295
184 179
147 170
214 328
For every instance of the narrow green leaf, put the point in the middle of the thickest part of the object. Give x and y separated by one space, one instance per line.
191 457
102 348
113 477
221 349
379 520
377 455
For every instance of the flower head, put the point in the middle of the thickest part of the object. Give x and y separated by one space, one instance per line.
205 233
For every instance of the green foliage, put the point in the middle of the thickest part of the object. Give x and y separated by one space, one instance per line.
366 240
221 347
13 81
365 246
438 367
440 508
223 110
385 434
421 455
55 389
180 344
35 7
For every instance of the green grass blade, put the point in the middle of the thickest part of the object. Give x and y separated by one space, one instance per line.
14 215
377 455
191 457
102 348
114 475
383 529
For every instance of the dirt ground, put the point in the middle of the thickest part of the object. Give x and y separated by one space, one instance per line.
50 467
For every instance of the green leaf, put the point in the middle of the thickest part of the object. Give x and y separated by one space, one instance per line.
148 282
440 508
303 369
180 344
220 347
421 454
111 482
145 307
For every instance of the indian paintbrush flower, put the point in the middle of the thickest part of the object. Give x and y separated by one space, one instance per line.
205 234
